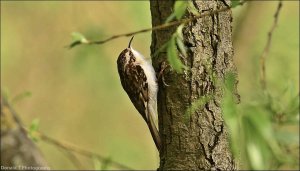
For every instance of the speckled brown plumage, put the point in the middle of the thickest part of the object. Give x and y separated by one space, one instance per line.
139 81
134 81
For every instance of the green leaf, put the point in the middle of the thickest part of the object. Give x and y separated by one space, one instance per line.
180 8
33 128
173 58
78 39
235 3
181 46
179 40
179 31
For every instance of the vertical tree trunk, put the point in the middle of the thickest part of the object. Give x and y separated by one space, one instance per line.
198 142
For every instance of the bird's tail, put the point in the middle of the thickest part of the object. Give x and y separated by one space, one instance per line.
153 129
154 133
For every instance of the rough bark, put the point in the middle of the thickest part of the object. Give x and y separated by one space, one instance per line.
18 152
201 142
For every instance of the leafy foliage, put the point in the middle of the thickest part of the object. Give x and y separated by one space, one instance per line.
255 128
173 58
177 38
172 46
172 54
180 8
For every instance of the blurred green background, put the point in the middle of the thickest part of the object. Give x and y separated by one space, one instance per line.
76 94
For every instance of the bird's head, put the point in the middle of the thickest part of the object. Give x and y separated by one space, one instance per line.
126 55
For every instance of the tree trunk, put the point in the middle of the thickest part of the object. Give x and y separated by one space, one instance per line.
199 142
18 152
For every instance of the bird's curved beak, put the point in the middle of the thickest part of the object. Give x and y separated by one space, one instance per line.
129 45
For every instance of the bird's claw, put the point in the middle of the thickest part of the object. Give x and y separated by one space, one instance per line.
160 76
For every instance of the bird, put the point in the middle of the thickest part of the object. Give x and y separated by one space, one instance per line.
138 79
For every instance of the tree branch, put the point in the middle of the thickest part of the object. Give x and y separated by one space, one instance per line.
7 109
267 47
158 27
77 150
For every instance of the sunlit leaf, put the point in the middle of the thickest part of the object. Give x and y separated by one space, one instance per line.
180 8
77 38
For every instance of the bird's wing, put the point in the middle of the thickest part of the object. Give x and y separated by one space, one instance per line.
134 82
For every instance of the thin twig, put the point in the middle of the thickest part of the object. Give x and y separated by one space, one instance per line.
159 27
73 158
78 150
267 48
